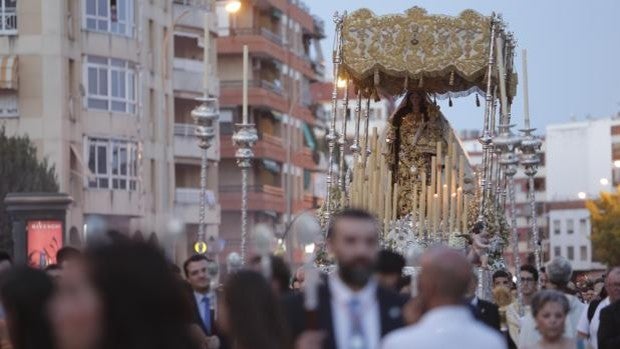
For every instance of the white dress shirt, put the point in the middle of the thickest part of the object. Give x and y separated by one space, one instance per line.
590 327
341 295
447 327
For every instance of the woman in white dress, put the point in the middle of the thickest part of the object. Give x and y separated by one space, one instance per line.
549 309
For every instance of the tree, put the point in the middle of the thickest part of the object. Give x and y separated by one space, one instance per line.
605 217
22 172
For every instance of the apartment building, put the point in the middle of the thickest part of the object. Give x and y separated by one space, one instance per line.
94 85
584 160
285 58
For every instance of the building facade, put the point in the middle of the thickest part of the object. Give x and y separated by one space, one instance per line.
473 147
285 59
582 162
92 84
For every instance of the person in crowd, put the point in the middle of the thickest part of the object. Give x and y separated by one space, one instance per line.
529 279
197 275
389 269
280 273
609 322
404 285
502 278
6 262
250 314
352 307
590 319
298 279
439 317
54 271
559 272
25 294
121 295
544 280
550 309
66 255
484 311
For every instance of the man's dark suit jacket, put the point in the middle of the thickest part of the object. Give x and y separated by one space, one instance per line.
488 313
609 327
390 313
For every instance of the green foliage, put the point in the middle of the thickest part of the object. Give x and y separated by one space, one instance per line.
605 216
20 172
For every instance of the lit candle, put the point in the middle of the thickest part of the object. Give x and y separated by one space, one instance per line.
244 113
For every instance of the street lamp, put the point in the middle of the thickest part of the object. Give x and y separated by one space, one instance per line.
233 6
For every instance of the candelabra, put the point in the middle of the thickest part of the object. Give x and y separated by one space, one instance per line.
205 116
508 143
530 145
332 135
244 139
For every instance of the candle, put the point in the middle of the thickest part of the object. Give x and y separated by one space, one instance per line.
435 213
465 213
501 69
526 100
452 211
429 208
206 55
445 209
459 208
422 206
245 85
395 202
434 174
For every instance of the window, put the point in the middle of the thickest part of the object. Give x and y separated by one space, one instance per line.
570 253
8 17
556 227
557 251
583 226
111 84
583 253
570 226
8 104
109 16
113 164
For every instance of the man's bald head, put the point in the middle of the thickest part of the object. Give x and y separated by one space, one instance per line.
444 278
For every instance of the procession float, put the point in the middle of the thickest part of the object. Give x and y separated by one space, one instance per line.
415 175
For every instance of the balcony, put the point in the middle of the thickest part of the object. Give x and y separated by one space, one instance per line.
260 198
263 93
261 41
187 206
186 143
190 13
267 147
8 20
188 76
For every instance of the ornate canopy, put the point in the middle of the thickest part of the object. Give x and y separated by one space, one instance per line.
436 53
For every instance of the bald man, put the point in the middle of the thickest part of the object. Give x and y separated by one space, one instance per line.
439 317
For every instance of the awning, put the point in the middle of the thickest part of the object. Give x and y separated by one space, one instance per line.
8 72
308 136
271 166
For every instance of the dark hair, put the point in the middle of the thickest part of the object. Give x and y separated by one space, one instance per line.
547 296
25 296
67 253
352 213
280 272
256 318
477 228
145 304
5 256
192 259
51 267
501 274
389 262
530 269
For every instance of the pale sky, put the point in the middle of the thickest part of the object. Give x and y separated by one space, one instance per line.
573 53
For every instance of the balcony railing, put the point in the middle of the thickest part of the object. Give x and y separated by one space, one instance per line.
186 130
266 33
257 188
192 196
272 86
8 20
